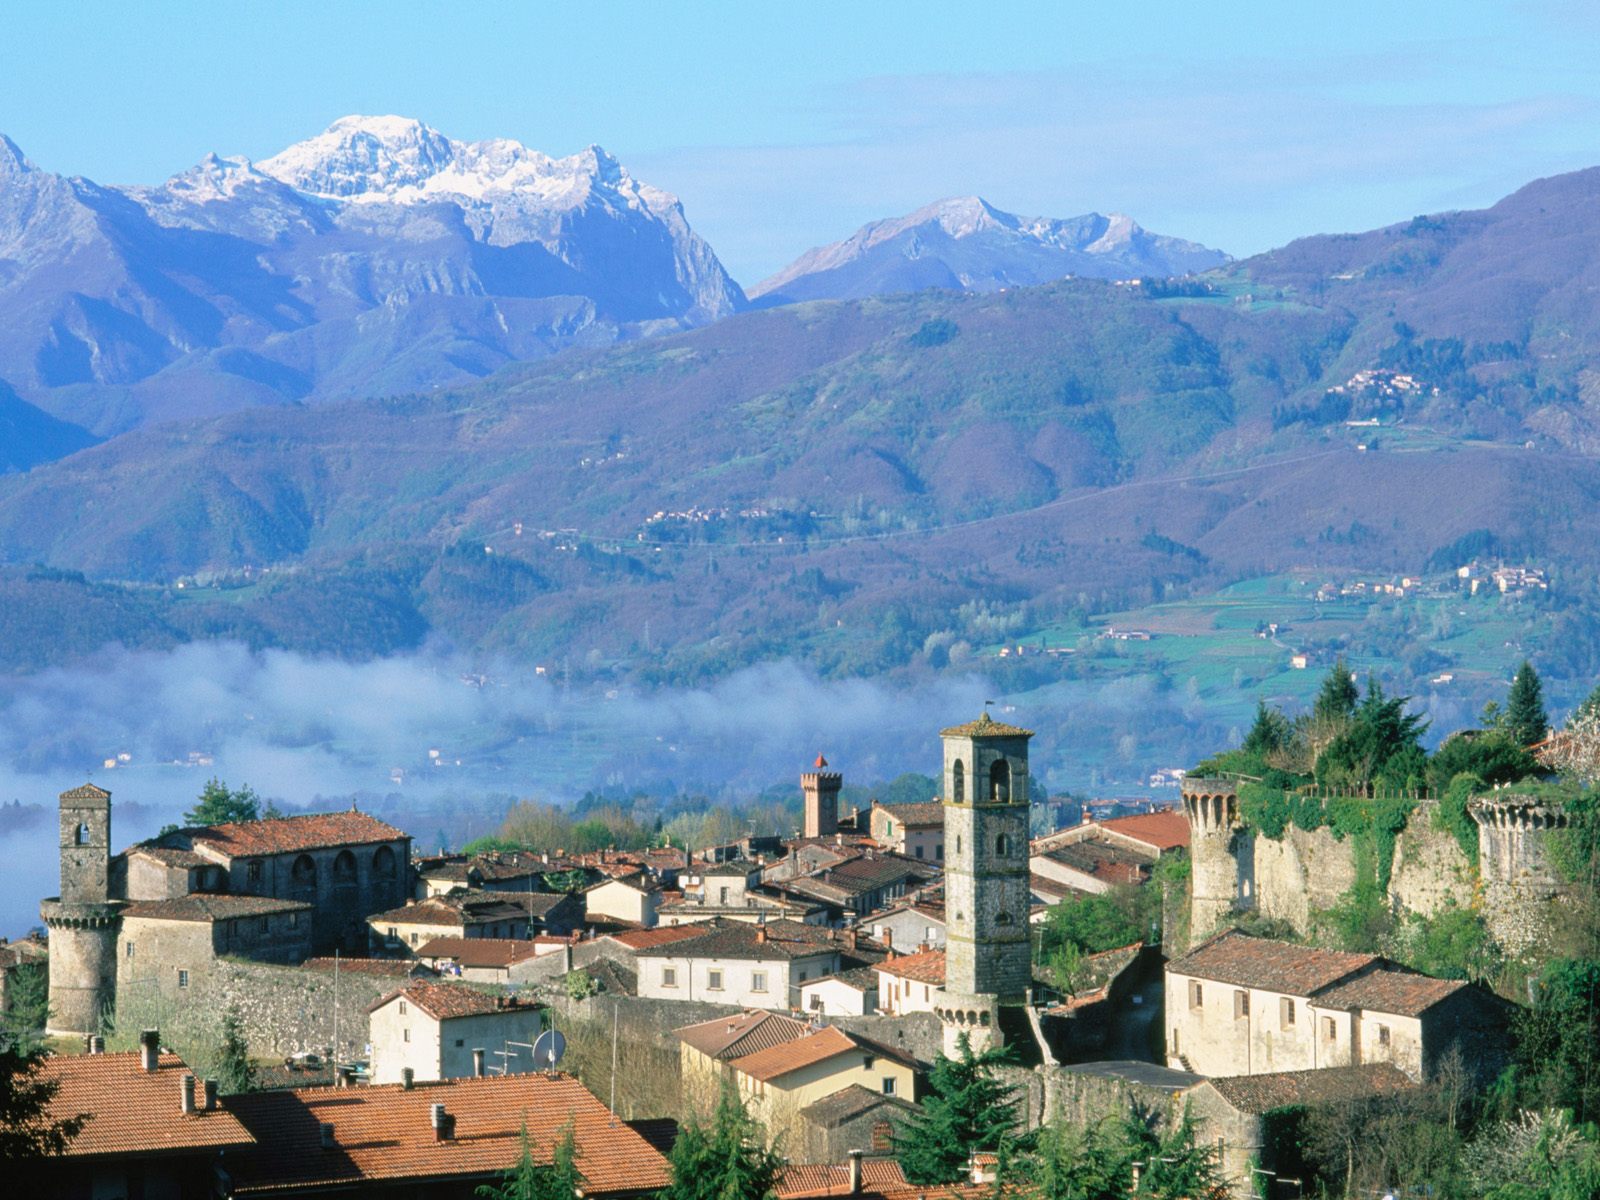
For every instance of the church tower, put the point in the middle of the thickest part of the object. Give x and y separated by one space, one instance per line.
819 792
987 948
84 920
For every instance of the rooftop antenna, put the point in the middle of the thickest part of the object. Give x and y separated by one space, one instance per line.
548 1048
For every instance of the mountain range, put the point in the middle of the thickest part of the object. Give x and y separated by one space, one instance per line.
966 244
381 257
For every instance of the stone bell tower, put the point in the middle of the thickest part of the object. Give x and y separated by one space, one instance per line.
819 792
987 948
84 920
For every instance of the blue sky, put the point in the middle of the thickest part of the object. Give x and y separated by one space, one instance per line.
784 126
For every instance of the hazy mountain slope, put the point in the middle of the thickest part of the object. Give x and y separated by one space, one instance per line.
968 245
29 436
377 256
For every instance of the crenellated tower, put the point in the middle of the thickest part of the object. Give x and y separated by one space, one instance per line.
1212 806
84 920
987 947
819 792
1520 887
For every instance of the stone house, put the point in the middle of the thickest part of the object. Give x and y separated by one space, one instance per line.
400 931
344 865
174 944
751 966
854 1118
486 960
909 983
1150 834
850 993
778 1083
706 1047
1238 1005
863 884
450 1031
915 830
913 922
633 899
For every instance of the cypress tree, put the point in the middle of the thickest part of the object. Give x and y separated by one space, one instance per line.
531 1180
1339 695
1525 718
730 1160
967 1110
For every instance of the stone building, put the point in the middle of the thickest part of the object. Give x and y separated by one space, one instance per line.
1239 1005
752 966
450 1031
819 800
172 945
84 919
987 946
1520 888
915 830
909 983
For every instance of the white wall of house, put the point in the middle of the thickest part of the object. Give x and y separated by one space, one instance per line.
618 901
749 983
403 1035
834 998
897 997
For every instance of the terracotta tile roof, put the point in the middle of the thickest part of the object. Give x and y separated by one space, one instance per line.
862 979
29 950
284 835
444 1001
801 1182
1053 887
481 952
421 912
915 816
399 968
663 935
755 943
134 1111
383 1135
1168 830
171 856
1262 1093
204 906
1403 993
1235 958
86 791
733 866
1101 860
985 726
808 1050
848 1103
724 1038
927 966
870 871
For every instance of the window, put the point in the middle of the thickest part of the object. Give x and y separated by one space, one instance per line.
758 981
816 1001
869 1062
344 867
252 871
1175 1041
938 851
1329 1030
1000 781
888 1085
1001 847
724 895
958 785
80 837
802 976
888 829
669 976
1194 994
1002 918
130 949
1383 1035
460 1042
183 978
1285 1013
383 863
304 872
714 981
402 1008
405 1035
413 939
919 851
294 920
927 934
1241 1004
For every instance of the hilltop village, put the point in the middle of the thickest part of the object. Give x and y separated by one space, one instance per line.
412 1021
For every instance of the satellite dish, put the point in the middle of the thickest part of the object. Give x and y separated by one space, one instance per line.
548 1048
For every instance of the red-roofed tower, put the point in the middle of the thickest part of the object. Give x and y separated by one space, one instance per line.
820 792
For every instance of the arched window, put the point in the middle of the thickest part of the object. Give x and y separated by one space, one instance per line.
1002 918
1000 781
958 783
304 871
383 863
80 836
344 867
1002 847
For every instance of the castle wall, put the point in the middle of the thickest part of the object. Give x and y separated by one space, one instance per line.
1431 874
1299 873
83 968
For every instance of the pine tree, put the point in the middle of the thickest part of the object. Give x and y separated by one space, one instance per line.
27 1007
235 1073
1525 718
529 1179
967 1110
730 1160
217 805
1589 709
1339 695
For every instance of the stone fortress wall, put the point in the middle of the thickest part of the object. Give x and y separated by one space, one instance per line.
1291 877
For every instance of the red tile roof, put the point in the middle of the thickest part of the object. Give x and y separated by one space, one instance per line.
915 816
985 726
134 1111
1391 991
1235 958
443 1001
780 1060
802 1182
745 1033
751 942
284 835
1167 830
383 1135
1262 1093
927 966
206 906
663 935
482 952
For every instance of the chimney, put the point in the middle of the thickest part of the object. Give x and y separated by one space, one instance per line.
850 939
887 938
444 1125
477 1064
343 1077
761 934
186 1094
97 1044
210 1087
325 1133
408 1078
855 1172
150 1049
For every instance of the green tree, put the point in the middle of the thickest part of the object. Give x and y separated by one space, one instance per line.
1269 734
1525 719
218 805
967 1110
1381 749
729 1160
1338 696
1558 1040
27 1006
1104 921
27 1129
1590 708
235 1072
529 1179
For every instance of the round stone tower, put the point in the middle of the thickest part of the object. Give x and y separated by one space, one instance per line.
1520 888
987 949
1212 806
84 920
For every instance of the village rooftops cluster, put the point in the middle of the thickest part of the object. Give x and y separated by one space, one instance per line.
445 1001
282 835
